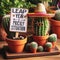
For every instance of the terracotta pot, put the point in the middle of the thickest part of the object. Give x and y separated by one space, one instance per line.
3 34
41 40
53 44
16 45
55 27
48 49
33 50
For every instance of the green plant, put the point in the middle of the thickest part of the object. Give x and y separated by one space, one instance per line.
6 5
37 1
48 45
40 48
6 24
57 15
52 38
41 26
33 45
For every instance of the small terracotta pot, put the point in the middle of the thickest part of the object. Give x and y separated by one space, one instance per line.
3 34
48 49
16 45
53 44
33 50
41 40
55 27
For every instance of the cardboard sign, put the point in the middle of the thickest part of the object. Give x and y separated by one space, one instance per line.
18 21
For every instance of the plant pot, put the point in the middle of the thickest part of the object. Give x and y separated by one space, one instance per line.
33 50
41 40
55 27
3 34
53 44
48 49
16 45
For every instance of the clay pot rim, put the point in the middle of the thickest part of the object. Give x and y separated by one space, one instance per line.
41 36
56 22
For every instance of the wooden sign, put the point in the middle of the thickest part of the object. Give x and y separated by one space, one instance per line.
18 20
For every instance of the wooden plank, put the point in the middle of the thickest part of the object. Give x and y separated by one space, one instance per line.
25 54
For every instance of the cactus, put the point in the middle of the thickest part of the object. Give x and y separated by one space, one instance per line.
5 23
48 45
40 48
52 38
41 26
57 15
34 45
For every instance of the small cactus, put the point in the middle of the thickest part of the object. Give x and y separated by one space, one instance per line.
40 48
27 48
34 45
57 15
52 38
48 45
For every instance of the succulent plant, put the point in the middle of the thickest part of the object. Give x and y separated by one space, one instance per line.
52 38
48 45
40 48
57 15
33 45
41 26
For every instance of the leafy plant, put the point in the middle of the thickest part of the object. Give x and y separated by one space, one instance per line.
6 5
37 1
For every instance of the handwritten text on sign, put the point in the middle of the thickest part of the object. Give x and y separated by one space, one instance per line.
18 22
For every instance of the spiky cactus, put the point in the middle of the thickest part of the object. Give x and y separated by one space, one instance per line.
57 15
41 26
52 38
40 49
5 23
34 45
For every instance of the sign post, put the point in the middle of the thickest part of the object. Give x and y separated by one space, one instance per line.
18 21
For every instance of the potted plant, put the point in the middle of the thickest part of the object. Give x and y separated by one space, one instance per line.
48 47
55 23
33 47
41 26
53 39
14 44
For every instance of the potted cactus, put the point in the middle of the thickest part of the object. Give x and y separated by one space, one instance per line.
15 44
53 39
41 26
48 47
33 47
55 23
40 49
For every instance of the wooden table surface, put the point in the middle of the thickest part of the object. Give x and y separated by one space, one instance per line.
53 57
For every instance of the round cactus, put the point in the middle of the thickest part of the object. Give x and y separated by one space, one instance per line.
52 38
34 45
48 45
40 48
57 15
27 47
